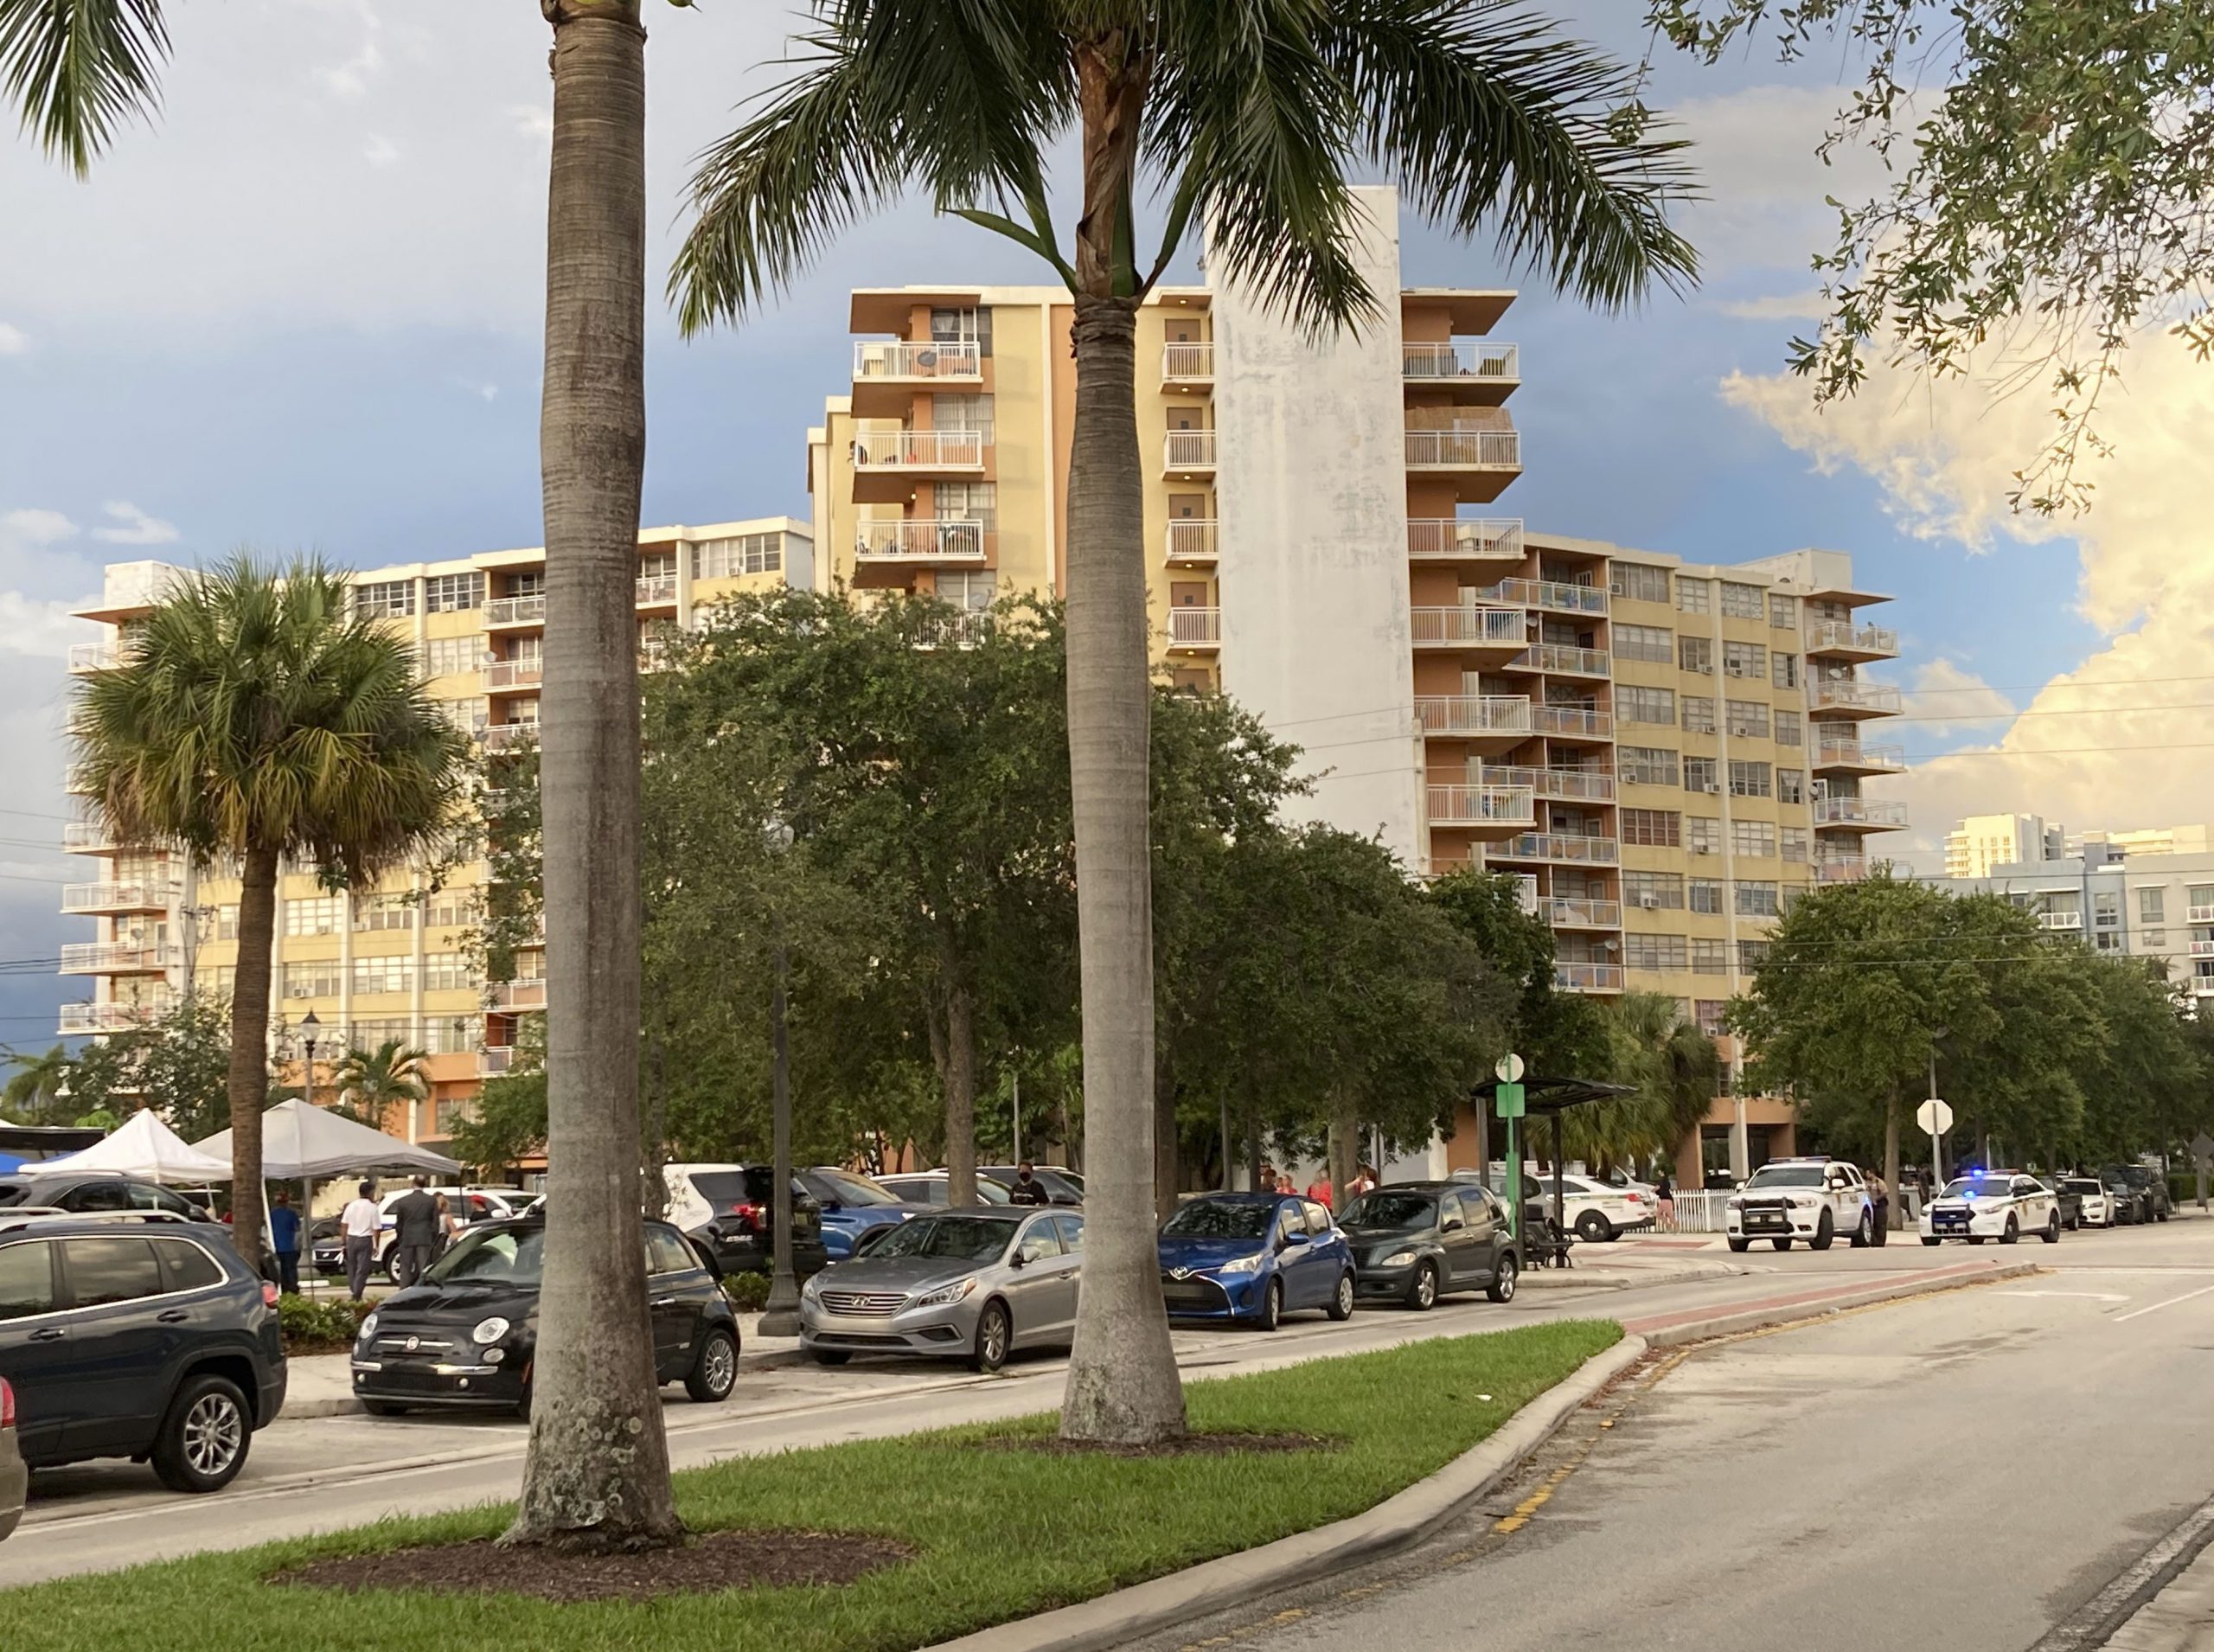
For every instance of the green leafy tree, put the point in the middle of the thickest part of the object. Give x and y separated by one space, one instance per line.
508 1124
255 715
1248 115
178 1064
371 1083
38 1092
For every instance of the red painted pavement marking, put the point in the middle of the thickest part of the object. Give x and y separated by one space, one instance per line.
1661 1321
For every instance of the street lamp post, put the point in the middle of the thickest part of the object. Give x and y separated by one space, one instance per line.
780 1313
310 1025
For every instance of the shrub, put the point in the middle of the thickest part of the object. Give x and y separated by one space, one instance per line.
748 1292
310 1322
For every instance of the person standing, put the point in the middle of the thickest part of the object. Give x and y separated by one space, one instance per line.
284 1240
1319 1190
1882 1196
1027 1189
1664 1194
358 1226
416 1230
1364 1180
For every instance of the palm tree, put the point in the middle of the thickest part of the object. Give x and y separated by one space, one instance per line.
1247 116
255 716
371 1083
1650 1044
75 72
34 1094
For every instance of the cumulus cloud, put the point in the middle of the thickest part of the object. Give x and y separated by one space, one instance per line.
14 340
41 629
1948 700
1776 306
36 528
134 527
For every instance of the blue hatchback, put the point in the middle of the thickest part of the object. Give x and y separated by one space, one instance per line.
1253 1257
851 1205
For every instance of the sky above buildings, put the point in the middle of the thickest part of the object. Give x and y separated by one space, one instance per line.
301 311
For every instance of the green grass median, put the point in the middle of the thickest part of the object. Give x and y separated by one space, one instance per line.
996 1533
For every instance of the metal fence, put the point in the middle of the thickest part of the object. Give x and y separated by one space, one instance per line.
1701 1213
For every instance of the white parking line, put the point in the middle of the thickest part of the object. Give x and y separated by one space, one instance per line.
2155 1308
2093 1296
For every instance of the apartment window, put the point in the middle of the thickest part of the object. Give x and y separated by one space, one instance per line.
725 558
322 916
1651 828
972 589
1645 705
1711 1015
1747 718
1751 955
976 502
227 922
1788 728
467 716
387 599
1658 953
1653 644
2108 940
1653 891
1791 785
964 412
1742 601
1695 654
529 584
1698 714
2202 899
450 657
1692 596
317 978
453 593
2106 908
221 979
1647 765
657 565
1701 774
1757 899
1703 835
448 1114
1745 660
1756 838
395 972
951 326
449 909
1750 780
2152 906
1784 670
1782 614
377 912
1706 896
1710 957
1640 581
443 972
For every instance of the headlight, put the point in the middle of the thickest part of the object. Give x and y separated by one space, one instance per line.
944 1294
1736 1203
813 1288
1396 1259
1242 1264
489 1331
369 1328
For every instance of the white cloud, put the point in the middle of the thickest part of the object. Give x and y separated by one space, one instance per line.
136 527
1949 699
532 119
1776 306
14 340
483 390
43 630
36 528
380 151
1764 187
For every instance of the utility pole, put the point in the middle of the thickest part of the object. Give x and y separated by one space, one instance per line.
780 1313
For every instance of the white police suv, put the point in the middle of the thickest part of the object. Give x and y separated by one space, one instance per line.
1810 1199
1992 1204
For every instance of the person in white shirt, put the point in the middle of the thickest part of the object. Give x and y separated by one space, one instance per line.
358 1226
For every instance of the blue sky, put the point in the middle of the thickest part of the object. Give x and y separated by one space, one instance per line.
301 311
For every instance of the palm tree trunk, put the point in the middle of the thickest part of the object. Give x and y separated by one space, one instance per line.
597 1477
1891 1152
1122 1383
248 1083
957 1090
1166 1171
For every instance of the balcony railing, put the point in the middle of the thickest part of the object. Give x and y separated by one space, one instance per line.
1587 785
1842 634
657 590
1469 627
921 539
2061 919
86 834
144 895
1588 977
494 1061
1190 450
919 450
519 995
1500 363
105 1018
1589 850
1564 914
1481 806
1841 869
507 737
1564 661
85 658
2199 949
1458 538
1579 722
514 673
1193 539
1195 627
1464 449
1194 363
1853 754
1858 811
878 361
1473 714
1852 694
114 957
1553 595
516 611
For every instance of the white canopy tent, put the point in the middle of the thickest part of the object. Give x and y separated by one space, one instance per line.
300 1142
146 1148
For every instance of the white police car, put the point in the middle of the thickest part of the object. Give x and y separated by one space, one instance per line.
1809 1199
1992 1203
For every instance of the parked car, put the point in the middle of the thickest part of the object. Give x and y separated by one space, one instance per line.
1253 1257
14 1478
464 1335
2067 1199
2094 1206
326 1250
85 1193
1415 1241
2154 1203
1059 1190
729 1209
929 1187
2131 1203
1992 1204
146 1339
850 1205
970 1283
1811 1198
1590 1209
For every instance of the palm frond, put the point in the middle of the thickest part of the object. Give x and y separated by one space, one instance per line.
76 69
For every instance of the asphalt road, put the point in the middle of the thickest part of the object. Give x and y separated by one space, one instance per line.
314 1475
1965 1470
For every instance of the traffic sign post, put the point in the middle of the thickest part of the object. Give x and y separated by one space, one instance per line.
1510 1102
1936 1118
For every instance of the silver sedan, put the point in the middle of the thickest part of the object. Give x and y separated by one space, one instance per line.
972 1284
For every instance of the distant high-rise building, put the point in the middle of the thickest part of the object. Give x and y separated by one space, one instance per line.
1982 842
2150 840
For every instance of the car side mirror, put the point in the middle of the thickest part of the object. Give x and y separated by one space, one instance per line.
1452 1225
1291 1239
1018 1261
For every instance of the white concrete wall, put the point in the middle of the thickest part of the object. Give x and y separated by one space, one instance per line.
1312 494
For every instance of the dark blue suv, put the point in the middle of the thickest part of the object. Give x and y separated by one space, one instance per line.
136 1336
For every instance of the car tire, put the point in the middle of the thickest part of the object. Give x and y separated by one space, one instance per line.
1593 1228
204 1436
1421 1290
1864 1231
2159 1215
1271 1314
1740 1244
1340 1307
2051 1234
1781 1244
383 1408
1928 1239
993 1332
1504 1278
2013 1232
714 1369
1825 1234
830 1356
1976 1238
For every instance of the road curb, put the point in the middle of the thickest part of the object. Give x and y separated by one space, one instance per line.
1400 1519
1697 1325
1612 1279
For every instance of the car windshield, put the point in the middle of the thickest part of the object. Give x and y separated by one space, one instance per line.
1787 1175
1975 1188
722 1189
964 1239
1221 1218
840 1187
1382 1209
506 1255
2083 1184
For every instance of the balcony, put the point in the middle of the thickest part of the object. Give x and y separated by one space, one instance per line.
658 590
145 895
1496 721
1842 639
115 957
887 371
1186 452
1552 595
492 1062
1850 697
1465 538
1193 543
1556 659
2199 949
519 995
516 611
2061 919
1480 371
513 674
921 539
1865 814
1577 847
1588 977
105 1018
1851 756
1188 363
87 837
1525 891
1841 869
1563 914
1575 722
1581 785
509 737
919 451
963 630
1506 809
2197 914
1195 627
1503 632
1484 459
84 658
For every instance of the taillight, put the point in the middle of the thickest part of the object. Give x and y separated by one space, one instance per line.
268 1294
752 1215
6 1405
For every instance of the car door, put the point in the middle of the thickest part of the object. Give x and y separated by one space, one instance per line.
123 1337
35 1346
673 1275
1321 1260
2033 1203
1068 1272
1464 1235
1036 1285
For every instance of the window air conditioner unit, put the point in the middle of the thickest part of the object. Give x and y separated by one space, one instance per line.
1651 903
1711 788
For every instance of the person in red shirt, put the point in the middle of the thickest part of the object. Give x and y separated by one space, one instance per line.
1319 1190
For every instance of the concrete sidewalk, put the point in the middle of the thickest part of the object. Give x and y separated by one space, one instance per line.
2180 1618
